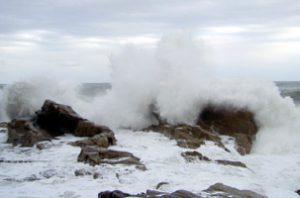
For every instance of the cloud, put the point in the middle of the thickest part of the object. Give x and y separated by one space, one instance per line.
38 36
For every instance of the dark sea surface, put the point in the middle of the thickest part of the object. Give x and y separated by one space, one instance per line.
287 88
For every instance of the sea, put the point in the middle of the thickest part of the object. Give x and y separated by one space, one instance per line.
174 81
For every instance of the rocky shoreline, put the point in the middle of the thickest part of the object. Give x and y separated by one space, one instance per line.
57 119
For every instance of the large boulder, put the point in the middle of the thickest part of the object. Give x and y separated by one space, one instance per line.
53 120
57 119
212 122
238 123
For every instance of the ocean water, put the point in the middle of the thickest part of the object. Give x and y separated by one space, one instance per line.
176 80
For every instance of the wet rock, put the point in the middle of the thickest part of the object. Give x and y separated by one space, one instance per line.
23 132
191 156
231 163
237 123
82 172
94 155
160 184
298 192
113 194
149 194
219 187
105 140
53 120
88 129
96 175
187 136
57 119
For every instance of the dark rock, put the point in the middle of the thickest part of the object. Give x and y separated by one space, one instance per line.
82 172
23 132
112 194
149 194
298 192
57 119
231 163
94 155
191 156
88 129
160 184
96 175
187 136
238 123
105 140
219 187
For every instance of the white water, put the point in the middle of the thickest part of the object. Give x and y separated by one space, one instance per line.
177 78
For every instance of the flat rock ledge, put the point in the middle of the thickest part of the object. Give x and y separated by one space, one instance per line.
216 190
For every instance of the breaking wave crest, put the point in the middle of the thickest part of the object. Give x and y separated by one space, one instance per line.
177 79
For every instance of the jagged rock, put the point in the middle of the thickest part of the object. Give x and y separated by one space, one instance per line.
191 156
48 173
238 123
105 140
56 119
212 122
94 155
298 192
219 187
231 163
23 132
187 136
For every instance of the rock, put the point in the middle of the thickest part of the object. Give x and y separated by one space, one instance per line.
219 187
23 132
112 194
160 184
191 156
231 163
88 129
96 175
105 140
298 192
149 194
238 123
57 119
187 136
82 172
43 145
94 155
212 122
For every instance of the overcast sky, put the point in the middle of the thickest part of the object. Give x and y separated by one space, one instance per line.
73 39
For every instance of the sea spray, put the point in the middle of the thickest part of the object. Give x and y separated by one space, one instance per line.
175 79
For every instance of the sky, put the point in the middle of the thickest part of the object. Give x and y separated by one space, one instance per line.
73 39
